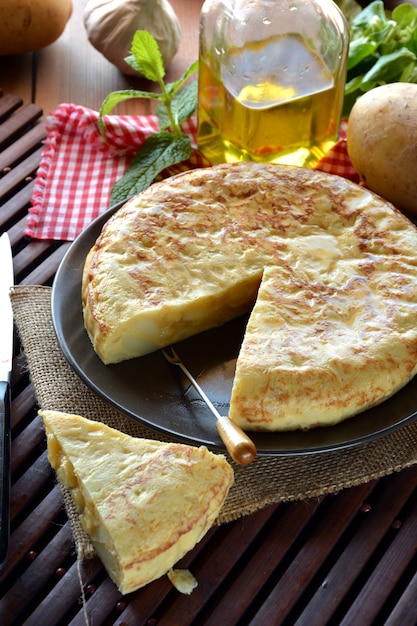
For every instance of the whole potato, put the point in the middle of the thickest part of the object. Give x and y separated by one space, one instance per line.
27 25
382 143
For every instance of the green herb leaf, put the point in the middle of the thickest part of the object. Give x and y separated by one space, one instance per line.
405 15
360 49
116 97
371 18
388 68
409 74
172 88
354 85
183 105
177 102
146 57
159 151
185 101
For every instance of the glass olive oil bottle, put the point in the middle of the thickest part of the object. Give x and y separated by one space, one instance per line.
271 80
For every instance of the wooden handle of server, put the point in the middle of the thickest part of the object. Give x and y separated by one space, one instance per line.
240 447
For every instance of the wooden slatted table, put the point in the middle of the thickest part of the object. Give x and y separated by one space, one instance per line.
344 559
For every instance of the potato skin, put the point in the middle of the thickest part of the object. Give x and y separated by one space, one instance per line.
382 143
27 25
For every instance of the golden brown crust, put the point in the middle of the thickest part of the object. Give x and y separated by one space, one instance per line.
325 353
189 254
144 503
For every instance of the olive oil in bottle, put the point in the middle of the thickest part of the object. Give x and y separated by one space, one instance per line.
271 80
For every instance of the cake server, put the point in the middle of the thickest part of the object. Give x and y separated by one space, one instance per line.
6 357
240 447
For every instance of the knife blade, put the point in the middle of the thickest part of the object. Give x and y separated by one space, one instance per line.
6 358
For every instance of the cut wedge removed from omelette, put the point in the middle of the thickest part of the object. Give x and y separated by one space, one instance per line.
143 503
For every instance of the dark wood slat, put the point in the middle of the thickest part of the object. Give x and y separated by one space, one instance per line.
315 550
22 405
212 561
100 605
66 595
8 104
255 569
360 548
23 146
405 611
31 530
20 174
31 254
385 574
16 232
44 273
24 443
36 576
13 126
11 209
30 485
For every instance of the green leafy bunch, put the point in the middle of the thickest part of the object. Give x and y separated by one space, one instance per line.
176 103
382 49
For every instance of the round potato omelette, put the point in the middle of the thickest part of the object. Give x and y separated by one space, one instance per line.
326 269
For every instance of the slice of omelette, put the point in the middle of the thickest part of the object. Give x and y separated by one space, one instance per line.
329 351
144 503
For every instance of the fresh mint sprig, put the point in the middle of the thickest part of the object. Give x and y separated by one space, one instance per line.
177 101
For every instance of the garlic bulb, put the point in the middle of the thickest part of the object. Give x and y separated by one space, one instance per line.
111 24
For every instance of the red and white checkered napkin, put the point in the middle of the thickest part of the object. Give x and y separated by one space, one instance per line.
337 161
77 168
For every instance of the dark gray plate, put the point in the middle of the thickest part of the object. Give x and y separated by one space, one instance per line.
155 393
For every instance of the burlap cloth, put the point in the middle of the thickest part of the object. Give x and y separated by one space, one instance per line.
266 481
